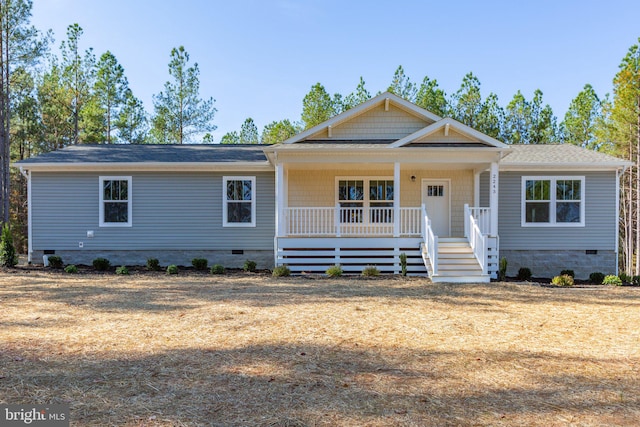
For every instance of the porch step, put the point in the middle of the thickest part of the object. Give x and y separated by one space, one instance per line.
463 259
452 245
456 262
459 240
459 278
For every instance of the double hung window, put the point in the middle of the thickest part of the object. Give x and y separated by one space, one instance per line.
239 201
115 201
381 201
552 201
351 197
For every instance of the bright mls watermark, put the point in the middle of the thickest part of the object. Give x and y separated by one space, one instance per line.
34 415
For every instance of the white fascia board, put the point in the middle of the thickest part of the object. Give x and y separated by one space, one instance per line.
454 124
150 167
365 106
574 167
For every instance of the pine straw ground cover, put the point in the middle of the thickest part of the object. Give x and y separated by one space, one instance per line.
149 350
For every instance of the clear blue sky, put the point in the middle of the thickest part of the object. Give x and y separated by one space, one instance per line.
259 58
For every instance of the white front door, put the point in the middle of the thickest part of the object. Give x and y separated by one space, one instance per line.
436 198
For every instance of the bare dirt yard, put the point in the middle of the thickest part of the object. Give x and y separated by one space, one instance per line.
243 350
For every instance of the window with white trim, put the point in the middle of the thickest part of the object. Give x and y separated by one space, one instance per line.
354 199
115 201
351 200
380 200
239 201
553 201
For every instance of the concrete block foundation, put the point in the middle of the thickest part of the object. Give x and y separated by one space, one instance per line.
550 263
264 259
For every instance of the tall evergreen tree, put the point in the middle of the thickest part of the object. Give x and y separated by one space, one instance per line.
230 138
179 111
318 106
249 132
278 131
360 95
132 123
78 75
110 89
466 104
430 97
625 128
402 85
543 128
54 104
516 128
582 119
21 45
491 117
26 134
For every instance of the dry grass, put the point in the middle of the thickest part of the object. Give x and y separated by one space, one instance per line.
152 350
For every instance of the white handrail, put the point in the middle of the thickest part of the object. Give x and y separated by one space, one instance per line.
477 241
430 242
482 217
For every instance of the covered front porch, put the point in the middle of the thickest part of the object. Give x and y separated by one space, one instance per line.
355 214
387 177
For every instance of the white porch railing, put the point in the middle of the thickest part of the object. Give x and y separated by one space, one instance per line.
482 217
476 229
310 221
350 221
430 242
362 222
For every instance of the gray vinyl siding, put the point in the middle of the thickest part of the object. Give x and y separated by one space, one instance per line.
598 233
181 211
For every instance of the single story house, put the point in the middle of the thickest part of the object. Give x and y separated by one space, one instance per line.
381 179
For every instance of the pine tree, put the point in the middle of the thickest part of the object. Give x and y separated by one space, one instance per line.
466 104
8 256
132 123
402 85
432 98
78 76
360 95
318 106
249 132
625 128
179 110
20 45
110 89
230 138
582 119
278 131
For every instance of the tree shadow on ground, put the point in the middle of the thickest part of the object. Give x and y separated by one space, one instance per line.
282 384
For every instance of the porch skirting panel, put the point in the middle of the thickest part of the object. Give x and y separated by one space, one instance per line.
263 258
316 255
549 263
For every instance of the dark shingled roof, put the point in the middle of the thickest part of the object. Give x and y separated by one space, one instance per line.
148 153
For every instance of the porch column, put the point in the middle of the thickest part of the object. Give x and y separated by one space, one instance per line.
281 201
493 197
396 199
476 188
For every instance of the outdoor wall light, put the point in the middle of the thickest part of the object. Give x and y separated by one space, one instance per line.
413 178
